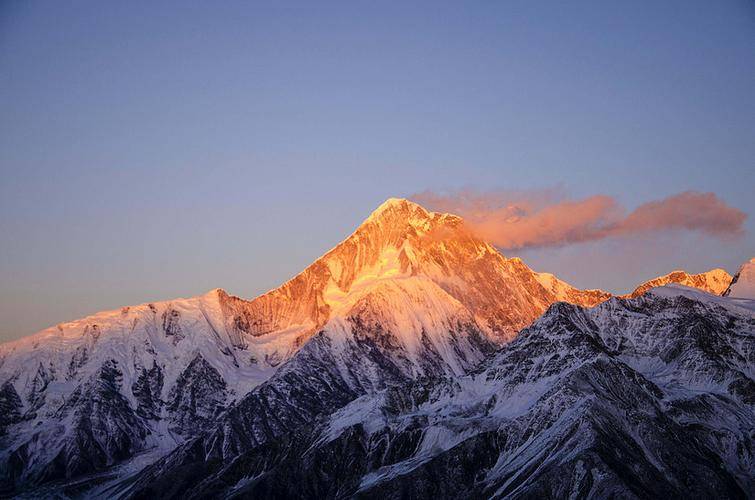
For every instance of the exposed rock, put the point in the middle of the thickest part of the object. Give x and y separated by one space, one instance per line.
197 397
11 407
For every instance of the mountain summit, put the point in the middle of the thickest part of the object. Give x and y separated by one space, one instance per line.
714 281
743 283
400 239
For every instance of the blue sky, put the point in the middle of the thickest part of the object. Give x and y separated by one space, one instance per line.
154 151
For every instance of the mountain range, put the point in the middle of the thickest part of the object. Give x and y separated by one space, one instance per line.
411 360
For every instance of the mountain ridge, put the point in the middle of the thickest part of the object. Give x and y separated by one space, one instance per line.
563 409
709 281
409 296
714 281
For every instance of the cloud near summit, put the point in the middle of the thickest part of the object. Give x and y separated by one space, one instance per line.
548 218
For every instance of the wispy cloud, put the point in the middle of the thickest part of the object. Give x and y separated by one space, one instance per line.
549 218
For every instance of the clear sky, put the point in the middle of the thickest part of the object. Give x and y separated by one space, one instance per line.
154 151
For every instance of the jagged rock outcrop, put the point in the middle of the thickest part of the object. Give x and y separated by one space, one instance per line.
197 398
147 389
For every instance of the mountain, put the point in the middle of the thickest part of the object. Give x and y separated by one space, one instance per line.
410 295
714 281
743 283
392 365
398 240
91 393
635 398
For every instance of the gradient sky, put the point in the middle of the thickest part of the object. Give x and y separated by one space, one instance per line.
149 152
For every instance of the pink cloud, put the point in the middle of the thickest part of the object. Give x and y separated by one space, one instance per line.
691 211
547 218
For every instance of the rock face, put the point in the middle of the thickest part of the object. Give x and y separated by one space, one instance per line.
92 429
743 283
197 398
10 407
371 356
637 398
714 281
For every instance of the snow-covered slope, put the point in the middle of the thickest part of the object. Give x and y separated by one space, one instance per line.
89 393
635 398
170 333
714 281
743 283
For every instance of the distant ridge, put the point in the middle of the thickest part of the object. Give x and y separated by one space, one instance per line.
714 281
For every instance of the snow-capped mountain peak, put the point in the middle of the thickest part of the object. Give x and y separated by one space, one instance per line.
714 281
743 283
413 212
401 239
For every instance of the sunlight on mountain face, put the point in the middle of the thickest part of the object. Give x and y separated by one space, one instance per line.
388 266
